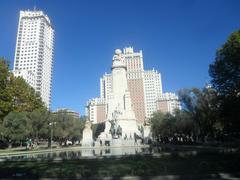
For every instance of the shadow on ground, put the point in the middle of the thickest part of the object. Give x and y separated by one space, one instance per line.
203 165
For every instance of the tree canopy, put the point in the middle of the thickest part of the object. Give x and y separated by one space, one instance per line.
5 97
225 74
225 71
198 117
15 93
201 105
66 127
16 126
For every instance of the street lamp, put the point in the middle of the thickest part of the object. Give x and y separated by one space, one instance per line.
51 124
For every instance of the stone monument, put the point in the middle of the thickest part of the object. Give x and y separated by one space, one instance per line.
87 136
147 133
121 122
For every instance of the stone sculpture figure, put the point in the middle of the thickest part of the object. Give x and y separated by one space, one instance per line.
87 137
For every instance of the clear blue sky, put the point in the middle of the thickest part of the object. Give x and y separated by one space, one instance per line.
179 38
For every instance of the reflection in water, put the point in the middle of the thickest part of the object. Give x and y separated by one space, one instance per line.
81 153
106 152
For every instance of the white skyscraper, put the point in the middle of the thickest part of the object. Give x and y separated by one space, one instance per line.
34 52
153 90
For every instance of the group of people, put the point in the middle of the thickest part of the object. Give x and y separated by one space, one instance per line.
30 144
177 139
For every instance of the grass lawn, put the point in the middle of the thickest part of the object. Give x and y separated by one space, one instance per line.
203 164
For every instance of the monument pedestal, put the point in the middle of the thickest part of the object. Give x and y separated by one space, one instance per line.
129 128
123 142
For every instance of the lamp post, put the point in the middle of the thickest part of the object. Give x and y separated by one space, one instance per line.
51 124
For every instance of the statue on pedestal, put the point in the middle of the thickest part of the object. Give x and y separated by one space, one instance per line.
87 137
147 135
121 123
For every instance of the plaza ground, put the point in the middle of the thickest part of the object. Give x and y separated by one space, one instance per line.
199 163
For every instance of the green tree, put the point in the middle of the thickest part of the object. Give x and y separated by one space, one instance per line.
67 127
61 129
78 126
15 93
39 121
5 97
97 129
183 122
24 97
225 73
155 122
16 127
200 106
162 124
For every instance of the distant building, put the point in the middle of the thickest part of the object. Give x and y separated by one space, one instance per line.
96 110
69 112
33 59
153 90
144 87
168 102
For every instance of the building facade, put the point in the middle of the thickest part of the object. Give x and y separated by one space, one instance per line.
144 86
153 90
168 102
135 79
69 112
34 52
96 110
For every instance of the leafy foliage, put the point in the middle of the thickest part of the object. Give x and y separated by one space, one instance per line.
97 129
5 97
16 126
15 94
24 97
201 106
183 122
39 121
67 127
198 117
225 73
